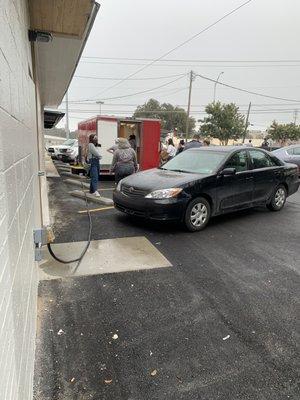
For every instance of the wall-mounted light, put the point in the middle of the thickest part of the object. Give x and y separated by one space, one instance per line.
39 36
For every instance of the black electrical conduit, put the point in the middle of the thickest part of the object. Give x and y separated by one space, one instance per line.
79 259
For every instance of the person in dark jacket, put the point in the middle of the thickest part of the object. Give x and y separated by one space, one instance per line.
132 142
93 158
195 142
124 161
180 147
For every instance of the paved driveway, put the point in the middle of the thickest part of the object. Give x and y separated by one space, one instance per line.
220 323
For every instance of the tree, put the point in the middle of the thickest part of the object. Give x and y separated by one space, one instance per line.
283 132
172 117
224 122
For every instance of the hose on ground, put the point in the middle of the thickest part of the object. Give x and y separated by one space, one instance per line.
79 259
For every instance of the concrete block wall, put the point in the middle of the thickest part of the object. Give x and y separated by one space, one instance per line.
19 203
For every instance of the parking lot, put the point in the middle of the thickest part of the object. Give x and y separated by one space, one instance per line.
219 323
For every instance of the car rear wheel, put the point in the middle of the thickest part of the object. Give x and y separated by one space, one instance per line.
278 199
197 214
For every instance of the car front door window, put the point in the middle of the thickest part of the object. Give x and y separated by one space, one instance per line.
238 161
236 191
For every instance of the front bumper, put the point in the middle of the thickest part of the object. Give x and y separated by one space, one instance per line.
163 210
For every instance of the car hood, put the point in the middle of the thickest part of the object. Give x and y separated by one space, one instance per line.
155 179
62 147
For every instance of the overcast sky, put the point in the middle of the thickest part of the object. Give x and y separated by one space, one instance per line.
263 30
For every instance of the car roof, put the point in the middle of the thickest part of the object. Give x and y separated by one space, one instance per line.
223 149
292 146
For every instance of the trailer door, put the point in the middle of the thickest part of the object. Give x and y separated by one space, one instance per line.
150 145
107 131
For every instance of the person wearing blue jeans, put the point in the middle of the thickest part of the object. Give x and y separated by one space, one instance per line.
94 159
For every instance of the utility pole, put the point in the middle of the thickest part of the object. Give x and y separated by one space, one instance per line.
67 117
192 77
247 119
295 116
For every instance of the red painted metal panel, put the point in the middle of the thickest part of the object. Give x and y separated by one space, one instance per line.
150 143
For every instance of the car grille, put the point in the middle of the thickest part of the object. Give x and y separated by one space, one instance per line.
51 150
63 151
130 191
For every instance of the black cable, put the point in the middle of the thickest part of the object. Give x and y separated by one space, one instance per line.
189 60
133 79
141 92
244 90
79 259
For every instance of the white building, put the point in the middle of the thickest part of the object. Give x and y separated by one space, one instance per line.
33 75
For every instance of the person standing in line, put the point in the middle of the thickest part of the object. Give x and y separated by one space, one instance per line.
195 142
132 142
171 149
250 143
93 159
113 148
124 161
180 147
265 144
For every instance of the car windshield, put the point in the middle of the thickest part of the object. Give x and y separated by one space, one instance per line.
196 161
69 142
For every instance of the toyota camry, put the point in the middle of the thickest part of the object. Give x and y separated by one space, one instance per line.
203 182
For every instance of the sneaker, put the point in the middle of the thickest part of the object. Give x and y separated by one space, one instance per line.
97 194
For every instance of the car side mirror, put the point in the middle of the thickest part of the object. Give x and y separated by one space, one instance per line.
228 172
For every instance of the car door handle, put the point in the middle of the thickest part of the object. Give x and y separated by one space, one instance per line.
249 178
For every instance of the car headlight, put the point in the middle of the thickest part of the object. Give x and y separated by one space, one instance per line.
164 193
119 186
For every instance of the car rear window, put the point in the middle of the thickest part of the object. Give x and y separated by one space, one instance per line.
196 161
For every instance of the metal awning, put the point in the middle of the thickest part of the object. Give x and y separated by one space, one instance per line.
51 118
70 23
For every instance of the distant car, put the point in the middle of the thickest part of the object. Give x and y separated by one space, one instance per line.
290 154
66 151
207 181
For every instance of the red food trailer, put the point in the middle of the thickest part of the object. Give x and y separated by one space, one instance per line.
109 128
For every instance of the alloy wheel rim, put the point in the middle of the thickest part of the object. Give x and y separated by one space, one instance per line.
279 197
199 214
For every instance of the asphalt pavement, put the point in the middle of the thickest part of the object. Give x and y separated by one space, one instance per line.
221 323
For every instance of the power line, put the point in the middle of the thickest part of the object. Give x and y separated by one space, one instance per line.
141 92
178 46
135 79
246 91
188 60
195 112
194 65
194 105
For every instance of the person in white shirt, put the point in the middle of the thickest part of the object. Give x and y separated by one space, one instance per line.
171 149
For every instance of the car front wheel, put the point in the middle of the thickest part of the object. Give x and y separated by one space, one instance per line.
278 199
197 214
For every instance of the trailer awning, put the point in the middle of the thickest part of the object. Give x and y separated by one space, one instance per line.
70 23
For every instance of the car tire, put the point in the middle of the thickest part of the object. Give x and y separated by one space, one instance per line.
197 214
278 199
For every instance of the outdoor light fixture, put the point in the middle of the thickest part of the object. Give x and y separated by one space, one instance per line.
39 36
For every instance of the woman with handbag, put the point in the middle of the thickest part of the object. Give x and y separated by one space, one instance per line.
93 159
124 161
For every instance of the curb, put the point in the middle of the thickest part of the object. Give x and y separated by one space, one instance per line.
98 200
